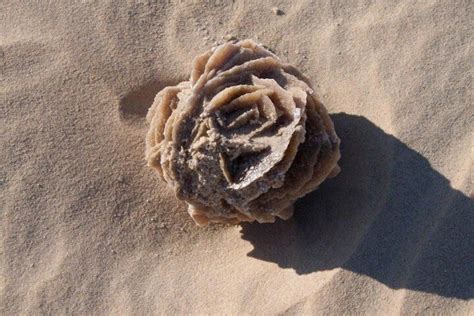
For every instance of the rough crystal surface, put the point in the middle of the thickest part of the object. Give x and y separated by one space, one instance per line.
243 138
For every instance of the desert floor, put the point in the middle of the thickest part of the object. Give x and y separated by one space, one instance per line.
88 228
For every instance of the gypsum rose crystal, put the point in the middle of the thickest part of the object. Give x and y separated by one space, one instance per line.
243 138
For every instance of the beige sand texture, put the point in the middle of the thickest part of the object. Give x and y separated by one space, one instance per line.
87 228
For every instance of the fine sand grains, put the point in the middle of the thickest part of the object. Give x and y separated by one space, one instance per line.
86 228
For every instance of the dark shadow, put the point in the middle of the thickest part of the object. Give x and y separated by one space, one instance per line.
135 103
387 215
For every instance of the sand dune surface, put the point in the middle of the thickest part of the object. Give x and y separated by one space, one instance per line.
87 228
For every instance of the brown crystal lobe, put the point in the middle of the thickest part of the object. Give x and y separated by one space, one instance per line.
243 138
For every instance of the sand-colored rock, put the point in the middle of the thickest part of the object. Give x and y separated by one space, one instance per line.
243 139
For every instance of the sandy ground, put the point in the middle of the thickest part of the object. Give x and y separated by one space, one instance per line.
87 228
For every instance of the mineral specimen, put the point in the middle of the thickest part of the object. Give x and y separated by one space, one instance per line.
243 138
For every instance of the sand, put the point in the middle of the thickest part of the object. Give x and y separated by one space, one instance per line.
87 228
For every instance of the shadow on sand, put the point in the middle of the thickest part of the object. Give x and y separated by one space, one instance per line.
135 103
388 215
